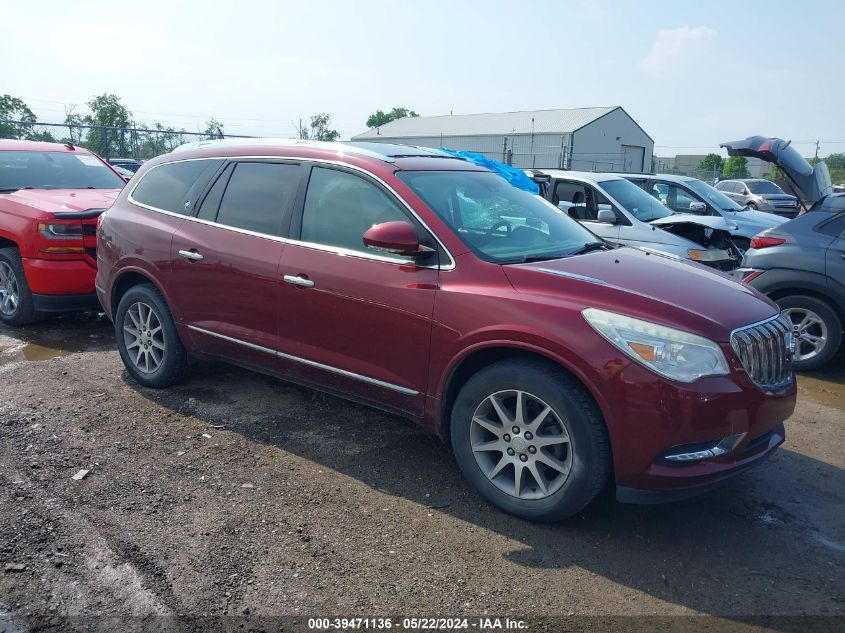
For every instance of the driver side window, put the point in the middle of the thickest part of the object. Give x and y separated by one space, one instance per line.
340 207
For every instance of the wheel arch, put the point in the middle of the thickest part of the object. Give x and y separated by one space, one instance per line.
126 280
474 359
6 242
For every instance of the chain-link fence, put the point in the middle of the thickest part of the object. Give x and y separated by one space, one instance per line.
107 141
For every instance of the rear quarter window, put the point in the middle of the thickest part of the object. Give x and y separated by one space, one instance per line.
166 187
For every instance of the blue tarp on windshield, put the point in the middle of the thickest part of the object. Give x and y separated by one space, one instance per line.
514 176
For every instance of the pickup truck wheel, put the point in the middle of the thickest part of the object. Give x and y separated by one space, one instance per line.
530 439
16 305
816 328
147 339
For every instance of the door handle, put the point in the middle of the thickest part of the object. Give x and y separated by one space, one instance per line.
191 255
297 280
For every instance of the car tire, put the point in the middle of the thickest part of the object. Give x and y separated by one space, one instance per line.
751 206
16 303
147 340
823 321
572 434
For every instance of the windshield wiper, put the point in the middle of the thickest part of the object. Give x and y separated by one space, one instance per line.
538 258
592 246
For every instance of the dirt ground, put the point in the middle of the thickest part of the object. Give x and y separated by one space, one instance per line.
238 495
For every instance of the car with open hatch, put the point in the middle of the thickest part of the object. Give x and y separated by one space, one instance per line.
50 198
621 212
552 363
801 264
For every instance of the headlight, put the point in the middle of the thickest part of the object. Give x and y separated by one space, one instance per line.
60 231
672 353
699 255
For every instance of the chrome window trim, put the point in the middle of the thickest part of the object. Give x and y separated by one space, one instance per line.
310 363
323 247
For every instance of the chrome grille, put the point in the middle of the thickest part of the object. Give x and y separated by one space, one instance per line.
765 350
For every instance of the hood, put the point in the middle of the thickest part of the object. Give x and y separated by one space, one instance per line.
756 218
64 200
813 182
710 221
678 294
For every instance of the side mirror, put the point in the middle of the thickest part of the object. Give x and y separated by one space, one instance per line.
606 216
697 207
397 237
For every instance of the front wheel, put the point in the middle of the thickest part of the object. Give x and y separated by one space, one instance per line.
147 339
816 328
530 439
751 206
16 303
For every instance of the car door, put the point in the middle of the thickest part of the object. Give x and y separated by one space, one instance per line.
585 201
355 321
835 257
225 262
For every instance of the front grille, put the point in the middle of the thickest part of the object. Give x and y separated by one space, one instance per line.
765 350
92 252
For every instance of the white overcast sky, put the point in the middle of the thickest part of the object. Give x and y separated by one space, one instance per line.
691 73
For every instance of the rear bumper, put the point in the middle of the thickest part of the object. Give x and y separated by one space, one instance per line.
59 276
65 303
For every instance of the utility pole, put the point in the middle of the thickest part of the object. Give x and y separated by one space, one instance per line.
816 157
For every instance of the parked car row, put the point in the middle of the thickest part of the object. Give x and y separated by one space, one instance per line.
553 361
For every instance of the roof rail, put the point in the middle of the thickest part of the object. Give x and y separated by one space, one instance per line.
332 146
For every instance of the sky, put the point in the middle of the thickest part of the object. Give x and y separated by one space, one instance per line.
692 74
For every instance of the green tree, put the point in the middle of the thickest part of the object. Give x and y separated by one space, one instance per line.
735 167
711 164
319 129
73 121
13 109
380 118
107 111
213 129
835 161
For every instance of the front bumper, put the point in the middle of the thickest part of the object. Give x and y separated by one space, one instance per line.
59 276
65 303
654 415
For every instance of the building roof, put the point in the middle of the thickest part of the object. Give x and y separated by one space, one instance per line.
562 121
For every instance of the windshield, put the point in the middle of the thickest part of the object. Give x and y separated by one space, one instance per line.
55 170
713 196
635 201
763 186
497 221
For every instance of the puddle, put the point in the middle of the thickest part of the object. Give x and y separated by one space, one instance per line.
827 385
32 352
56 336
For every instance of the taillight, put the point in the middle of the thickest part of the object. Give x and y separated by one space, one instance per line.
762 241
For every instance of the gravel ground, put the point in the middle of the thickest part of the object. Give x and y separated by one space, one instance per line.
238 495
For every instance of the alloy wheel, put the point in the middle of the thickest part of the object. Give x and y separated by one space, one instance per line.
521 444
143 336
9 290
810 333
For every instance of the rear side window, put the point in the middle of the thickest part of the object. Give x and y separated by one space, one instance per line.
257 195
835 227
166 187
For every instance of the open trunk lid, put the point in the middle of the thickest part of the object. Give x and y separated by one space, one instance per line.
812 182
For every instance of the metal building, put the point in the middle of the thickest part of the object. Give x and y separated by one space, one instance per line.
586 139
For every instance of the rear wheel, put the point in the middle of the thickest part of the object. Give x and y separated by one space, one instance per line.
530 439
147 339
16 304
816 328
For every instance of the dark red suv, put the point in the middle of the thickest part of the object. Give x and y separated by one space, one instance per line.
552 362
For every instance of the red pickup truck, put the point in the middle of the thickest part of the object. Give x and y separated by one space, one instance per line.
50 198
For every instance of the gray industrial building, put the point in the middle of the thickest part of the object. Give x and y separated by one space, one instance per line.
586 139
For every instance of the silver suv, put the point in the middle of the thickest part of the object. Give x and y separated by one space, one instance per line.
759 194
